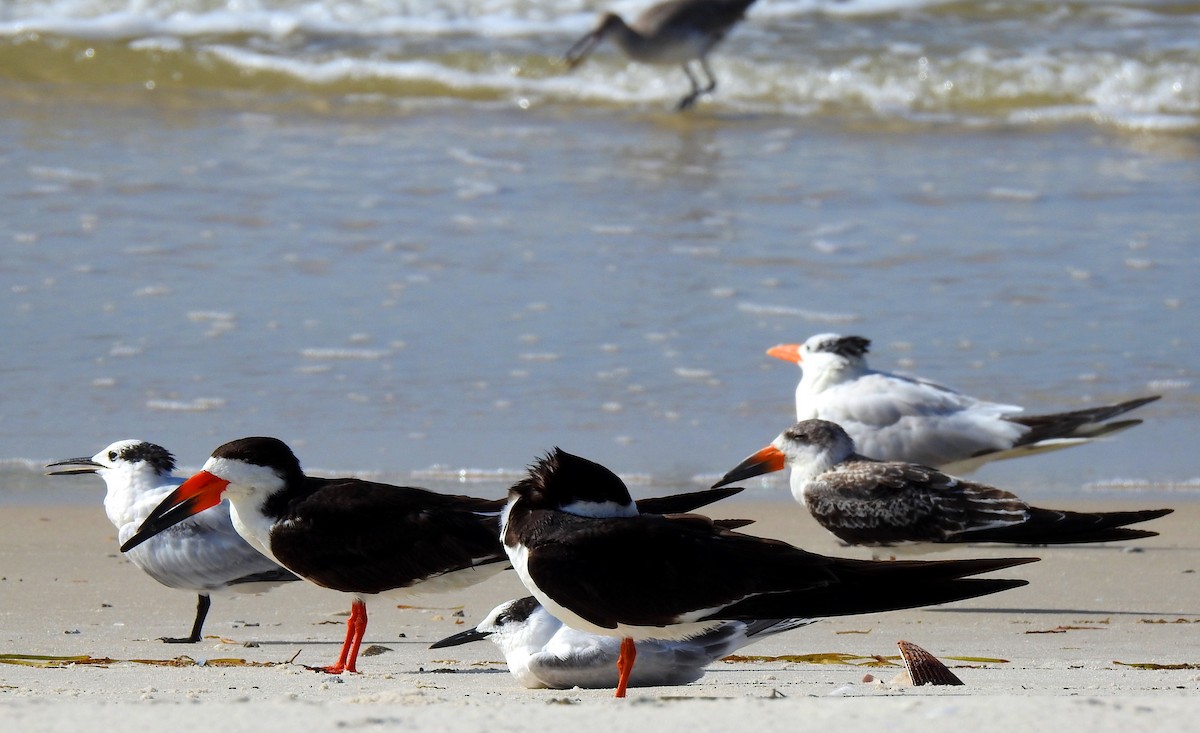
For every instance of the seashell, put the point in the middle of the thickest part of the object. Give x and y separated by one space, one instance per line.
924 668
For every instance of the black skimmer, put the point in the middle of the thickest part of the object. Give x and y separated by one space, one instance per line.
582 549
347 534
542 652
203 554
897 418
672 32
889 503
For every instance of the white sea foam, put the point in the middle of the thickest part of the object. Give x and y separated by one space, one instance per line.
1137 485
209 316
811 316
344 353
199 404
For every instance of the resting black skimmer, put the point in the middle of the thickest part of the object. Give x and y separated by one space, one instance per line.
672 32
203 554
347 534
897 418
582 549
890 503
542 652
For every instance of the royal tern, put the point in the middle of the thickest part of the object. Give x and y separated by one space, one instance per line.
897 418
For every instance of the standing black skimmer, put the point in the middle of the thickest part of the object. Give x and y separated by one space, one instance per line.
582 549
542 652
887 503
897 418
672 32
203 554
350 535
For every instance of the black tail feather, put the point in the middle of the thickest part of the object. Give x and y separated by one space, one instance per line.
1089 423
684 503
1052 527
841 600
875 573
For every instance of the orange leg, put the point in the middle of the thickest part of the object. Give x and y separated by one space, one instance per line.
354 635
360 630
625 665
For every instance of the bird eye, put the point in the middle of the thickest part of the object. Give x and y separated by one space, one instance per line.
112 455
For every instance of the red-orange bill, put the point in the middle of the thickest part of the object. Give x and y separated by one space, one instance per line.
765 461
192 497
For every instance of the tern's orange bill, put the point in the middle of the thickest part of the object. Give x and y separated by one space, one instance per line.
787 352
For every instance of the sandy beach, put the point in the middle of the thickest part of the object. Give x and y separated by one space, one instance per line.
404 238
1070 639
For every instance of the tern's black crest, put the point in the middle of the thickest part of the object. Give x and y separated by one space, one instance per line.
561 478
851 347
159 458
518 611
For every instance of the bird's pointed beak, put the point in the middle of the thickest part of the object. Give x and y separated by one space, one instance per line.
463 637
192 497
765 461
787 352
580 50
86 463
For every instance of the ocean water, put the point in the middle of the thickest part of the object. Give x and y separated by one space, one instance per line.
1126 64
400 237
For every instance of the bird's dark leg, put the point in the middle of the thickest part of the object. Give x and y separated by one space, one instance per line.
690 99
202 604
712 80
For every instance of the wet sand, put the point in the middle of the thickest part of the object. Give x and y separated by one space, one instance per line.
65 590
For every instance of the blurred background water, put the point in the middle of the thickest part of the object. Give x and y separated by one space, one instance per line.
400 237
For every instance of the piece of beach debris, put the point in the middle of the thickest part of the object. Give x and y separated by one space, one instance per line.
1155 665
430 608
55 662
920 668
1064 629
923 668
186 661
375 650
857 660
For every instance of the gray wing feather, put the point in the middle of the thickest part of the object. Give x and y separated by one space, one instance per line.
204 553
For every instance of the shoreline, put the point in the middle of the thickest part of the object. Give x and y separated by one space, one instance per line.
66 591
